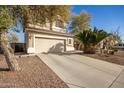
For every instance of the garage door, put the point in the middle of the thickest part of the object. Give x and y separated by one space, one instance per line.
49 45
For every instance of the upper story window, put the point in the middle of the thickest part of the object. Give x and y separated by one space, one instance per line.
60 24
69 41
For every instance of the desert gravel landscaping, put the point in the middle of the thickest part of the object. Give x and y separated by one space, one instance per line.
117 58
34 73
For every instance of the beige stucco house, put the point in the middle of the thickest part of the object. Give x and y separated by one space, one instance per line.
40 39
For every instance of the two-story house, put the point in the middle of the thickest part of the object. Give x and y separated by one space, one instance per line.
40 39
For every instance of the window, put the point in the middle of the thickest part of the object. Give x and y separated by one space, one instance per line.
60 24
69 41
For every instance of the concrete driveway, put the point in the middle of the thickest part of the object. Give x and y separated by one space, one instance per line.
81 71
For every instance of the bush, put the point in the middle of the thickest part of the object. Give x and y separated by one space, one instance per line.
111 52
89 51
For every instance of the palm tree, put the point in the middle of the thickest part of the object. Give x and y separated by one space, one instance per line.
100 34
87 39
90 38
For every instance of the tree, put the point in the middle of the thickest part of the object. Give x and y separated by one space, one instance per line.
86 39
13 38
42 14
9 15
6 20
80 23
116 36
90 38
53 12
108 42
100 34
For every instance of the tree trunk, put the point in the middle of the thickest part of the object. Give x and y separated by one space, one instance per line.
51 26
10 58
79 46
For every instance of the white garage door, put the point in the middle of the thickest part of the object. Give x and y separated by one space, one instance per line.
49 45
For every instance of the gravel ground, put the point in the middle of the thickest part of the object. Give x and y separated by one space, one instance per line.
117 58
34 73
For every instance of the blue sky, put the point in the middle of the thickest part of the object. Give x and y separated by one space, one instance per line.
104 17
20 34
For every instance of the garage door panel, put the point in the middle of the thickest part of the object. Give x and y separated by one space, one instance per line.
48 45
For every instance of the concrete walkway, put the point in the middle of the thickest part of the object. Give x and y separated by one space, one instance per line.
81 71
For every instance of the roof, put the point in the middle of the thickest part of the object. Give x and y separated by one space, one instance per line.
49 32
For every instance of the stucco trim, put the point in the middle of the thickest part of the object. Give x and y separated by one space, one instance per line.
48 38
36 30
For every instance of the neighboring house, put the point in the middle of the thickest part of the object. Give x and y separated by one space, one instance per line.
119 46
40 39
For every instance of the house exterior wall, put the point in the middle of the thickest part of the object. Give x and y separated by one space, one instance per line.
49 45
47 27
44 32
31 36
